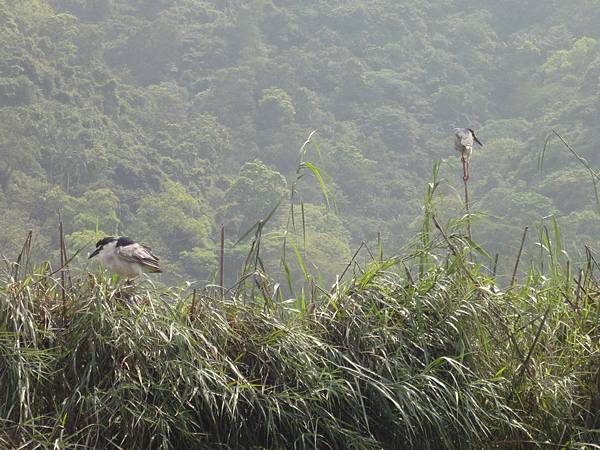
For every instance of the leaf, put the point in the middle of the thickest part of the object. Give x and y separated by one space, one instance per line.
318 176
300 260
260 223
478 248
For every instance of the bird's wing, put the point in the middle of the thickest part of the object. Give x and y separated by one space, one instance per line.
149 251
139 254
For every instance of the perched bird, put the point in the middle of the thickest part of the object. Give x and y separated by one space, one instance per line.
126 257
464 138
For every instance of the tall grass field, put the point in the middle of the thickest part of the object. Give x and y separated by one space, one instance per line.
422 350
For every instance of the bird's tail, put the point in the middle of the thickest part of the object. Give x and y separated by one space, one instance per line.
151 267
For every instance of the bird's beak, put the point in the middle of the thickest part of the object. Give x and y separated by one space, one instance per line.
95 252
477 140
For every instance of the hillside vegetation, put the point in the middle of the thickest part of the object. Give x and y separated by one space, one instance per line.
357 311
163 119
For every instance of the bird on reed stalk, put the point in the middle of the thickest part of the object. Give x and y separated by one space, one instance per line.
464 138
123 256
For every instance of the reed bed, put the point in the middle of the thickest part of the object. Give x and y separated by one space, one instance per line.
421 350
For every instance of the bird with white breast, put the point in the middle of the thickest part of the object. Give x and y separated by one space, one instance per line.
464 138
124 256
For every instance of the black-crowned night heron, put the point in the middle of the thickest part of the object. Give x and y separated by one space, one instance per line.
126 257
464 138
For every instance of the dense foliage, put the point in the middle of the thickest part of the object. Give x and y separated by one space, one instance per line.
419 351
163 119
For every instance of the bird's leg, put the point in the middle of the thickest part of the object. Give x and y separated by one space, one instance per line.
465 164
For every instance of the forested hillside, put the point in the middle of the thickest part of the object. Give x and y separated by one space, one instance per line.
165 119
162 119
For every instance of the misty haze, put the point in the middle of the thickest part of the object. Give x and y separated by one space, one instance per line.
315 224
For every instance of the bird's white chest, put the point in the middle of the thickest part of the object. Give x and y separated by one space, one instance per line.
117 265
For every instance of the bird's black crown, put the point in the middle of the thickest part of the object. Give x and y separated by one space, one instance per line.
124 240
104 241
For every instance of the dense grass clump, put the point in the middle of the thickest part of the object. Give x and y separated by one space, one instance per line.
412 352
